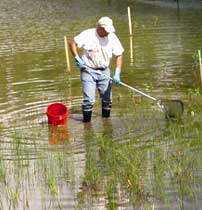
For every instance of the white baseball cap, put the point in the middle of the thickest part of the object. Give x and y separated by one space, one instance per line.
107 24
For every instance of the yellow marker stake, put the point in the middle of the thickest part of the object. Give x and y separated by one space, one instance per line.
131 50
67 54
131 38
129 22
199 56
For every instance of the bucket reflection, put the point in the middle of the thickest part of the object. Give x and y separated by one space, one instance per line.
58 134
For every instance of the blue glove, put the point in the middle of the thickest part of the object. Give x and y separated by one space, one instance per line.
116 77
79 62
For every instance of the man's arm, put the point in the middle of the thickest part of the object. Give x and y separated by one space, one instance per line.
117 73
73 47
119 61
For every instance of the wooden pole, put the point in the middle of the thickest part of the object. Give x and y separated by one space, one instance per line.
200 64
67 54
129 22
131 36
131 50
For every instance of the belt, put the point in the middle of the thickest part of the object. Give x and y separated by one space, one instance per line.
100 69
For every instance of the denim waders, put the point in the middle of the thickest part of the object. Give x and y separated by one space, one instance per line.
92 80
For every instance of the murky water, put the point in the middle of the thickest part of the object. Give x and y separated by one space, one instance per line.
45 167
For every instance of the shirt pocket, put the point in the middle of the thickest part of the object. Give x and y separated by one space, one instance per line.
89 46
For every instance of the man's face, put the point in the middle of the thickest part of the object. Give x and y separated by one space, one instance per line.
101 32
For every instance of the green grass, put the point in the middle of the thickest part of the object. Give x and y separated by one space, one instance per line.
137 170
144 172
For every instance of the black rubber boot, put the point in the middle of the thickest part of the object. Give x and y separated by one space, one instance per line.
87 116
105 113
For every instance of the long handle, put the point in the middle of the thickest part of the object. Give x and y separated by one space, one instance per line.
138 91
125 85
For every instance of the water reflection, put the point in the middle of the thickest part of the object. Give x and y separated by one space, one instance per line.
58 134
131 51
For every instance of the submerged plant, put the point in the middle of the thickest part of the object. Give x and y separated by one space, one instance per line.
114 164
195 91
13 197
111 196
51 184
2 170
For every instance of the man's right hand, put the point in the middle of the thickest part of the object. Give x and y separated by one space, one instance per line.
79 62
116 77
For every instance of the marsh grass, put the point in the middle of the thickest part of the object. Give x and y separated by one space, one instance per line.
17 172
2 170
146 172
51 182
128 170
110 164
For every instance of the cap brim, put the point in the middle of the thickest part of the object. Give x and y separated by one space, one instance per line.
109 29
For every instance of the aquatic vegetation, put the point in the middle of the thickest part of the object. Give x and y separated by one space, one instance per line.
2 170
135 169
145 173
144 163
195 91
114 165
1 127
194 105
155 20
51 184
128 170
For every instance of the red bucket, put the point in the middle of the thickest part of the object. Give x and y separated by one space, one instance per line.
57 114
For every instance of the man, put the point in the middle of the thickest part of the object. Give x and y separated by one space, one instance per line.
99 44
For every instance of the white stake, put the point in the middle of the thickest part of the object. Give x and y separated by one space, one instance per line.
200 65
129 22
67 54
131 50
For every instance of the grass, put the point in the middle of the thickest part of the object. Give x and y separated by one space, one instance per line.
51 182
116 165
147 172
2 170
131 170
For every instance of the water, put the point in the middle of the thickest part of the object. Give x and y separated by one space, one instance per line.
45 167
